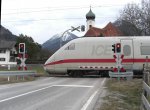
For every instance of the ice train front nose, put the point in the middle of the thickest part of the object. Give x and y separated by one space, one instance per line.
49 66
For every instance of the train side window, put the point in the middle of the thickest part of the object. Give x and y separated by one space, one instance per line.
127 50
145 50
70 47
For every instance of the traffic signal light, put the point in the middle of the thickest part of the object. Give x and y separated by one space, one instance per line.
114 48
82 28
118 46
21 47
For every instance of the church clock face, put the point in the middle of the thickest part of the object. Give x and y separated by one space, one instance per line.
90 22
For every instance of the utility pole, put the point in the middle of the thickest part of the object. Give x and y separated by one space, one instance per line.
0 19
0 11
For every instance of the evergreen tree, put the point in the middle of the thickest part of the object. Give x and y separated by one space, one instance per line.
34 50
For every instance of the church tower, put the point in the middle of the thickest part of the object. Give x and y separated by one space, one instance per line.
90 19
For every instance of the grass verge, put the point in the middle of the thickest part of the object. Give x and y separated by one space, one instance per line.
123 95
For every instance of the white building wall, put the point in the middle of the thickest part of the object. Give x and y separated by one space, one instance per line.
6 55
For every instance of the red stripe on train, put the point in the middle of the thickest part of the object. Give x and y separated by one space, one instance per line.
135 60
96 61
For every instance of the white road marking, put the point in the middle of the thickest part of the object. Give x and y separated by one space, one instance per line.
22 84
73 86
25 94
89 101
91 98
41 90
83 108
103 82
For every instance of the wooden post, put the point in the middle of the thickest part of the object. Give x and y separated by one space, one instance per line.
23 78
8 67
146 78
146 62
146 81
8 78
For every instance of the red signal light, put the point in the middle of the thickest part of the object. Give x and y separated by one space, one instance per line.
22 48
22 45
118 45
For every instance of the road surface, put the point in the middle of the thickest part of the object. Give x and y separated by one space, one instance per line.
52 93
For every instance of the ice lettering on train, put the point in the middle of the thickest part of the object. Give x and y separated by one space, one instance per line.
99 50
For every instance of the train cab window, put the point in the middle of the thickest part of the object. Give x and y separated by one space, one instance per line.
127 50
145 50
70 47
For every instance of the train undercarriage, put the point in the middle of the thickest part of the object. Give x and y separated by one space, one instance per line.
99 73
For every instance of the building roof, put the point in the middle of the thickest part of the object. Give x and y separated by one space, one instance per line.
90 15
108 30
7 44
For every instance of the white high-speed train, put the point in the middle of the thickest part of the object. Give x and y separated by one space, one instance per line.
88 54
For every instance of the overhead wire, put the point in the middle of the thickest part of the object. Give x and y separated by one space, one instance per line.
52 19
36 11
53 9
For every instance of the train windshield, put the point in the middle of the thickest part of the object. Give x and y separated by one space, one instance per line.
70 47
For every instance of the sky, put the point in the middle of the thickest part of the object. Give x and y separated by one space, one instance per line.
41 19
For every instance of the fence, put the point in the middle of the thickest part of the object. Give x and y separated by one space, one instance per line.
146 87
17 73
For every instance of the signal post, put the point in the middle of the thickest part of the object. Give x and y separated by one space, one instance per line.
22 56
118 70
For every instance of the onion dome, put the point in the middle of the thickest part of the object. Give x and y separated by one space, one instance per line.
90 15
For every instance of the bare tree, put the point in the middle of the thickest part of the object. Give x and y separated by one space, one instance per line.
137 15
127 28
145 22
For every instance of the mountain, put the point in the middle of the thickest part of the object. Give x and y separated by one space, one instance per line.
5 34
54 43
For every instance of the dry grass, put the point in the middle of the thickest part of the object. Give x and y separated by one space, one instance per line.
123 95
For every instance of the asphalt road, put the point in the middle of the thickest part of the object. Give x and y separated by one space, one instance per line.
52 93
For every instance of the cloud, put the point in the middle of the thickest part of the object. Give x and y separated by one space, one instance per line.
41 19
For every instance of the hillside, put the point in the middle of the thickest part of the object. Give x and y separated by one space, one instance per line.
5 34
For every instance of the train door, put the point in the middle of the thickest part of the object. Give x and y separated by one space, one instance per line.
127 51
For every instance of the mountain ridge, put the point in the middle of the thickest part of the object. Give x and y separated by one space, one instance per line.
54 43
5 34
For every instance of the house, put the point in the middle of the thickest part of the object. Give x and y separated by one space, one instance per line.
108 30
7 48
7 51
92 31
